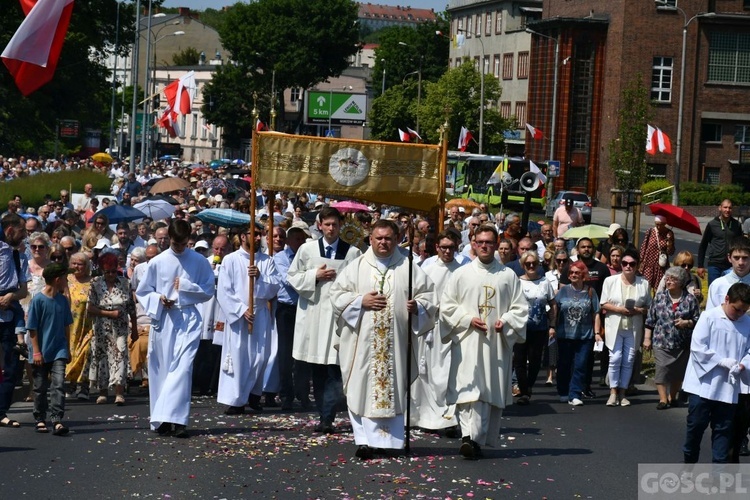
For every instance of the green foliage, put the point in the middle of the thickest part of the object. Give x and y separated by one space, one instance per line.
213 18
80 89
189 56
655 185
35 187
627 152
699 194
423 49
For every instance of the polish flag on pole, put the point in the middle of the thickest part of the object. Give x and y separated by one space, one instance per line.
31 55
535 132
413 134
260 126
665 145
180 94
405 137
650 140
464 138
534 168
168 120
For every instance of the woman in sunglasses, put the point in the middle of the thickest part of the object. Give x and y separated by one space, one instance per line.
686 261
626 298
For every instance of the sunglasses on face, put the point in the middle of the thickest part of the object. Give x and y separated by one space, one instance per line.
561 261
530 264
687 266
627 263
38 247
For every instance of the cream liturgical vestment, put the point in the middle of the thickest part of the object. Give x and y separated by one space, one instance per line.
373 344
244 353
481 363
434 360
314 325
175 331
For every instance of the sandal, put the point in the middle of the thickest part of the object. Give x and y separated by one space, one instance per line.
60 429
120 400
9 422
41 428
101 400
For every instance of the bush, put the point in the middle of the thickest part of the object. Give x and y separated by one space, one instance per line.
33 188
655 185
700 194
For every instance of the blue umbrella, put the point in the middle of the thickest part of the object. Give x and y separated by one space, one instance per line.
224 217
119 213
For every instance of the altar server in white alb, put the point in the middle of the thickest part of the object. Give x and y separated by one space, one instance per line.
433 356
371 301
175 283
247 333
484 312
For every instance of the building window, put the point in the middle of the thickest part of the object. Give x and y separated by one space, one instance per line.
667 4
486 65
711 132
661 79
469 19
194 124
507 66
296 93
458 62
729 57
742 133
712 176
460 25
476 63
505 109
523 65
520 114
488 23
478 26
496 68
204 129
498 22
183 125
746 4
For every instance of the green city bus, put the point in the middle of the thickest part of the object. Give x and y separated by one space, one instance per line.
478 170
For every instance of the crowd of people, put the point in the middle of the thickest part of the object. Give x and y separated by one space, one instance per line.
354 309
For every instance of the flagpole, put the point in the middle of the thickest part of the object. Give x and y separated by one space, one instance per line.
253 201
134 81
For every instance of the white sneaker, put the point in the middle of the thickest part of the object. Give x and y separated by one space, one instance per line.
575 402
612 401
624 402
563 399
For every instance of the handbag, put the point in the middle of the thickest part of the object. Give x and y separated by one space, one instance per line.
663 259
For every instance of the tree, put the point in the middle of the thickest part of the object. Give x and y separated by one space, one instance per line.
189 56
423 48
284 43
81 88
627 152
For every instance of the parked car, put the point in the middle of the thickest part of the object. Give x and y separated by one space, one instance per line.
580 200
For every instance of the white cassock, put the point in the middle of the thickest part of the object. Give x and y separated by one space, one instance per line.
434 361
175 332
314 325
244 354
373 349
481 363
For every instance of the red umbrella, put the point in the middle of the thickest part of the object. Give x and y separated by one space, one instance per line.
676 217
350 206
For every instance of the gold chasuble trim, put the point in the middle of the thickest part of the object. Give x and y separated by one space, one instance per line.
406 175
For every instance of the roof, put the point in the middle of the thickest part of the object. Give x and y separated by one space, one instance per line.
395 13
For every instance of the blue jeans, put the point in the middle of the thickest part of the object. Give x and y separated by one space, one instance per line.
702 412
714 272
328 390
13 367
49 376
572 361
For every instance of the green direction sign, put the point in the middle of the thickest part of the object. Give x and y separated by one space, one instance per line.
138 124
337 107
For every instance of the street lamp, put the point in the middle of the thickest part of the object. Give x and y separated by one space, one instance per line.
553 127
382 90
481 93
678 149
114 87
419 83
134 80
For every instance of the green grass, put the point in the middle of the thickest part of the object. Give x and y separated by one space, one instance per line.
33 188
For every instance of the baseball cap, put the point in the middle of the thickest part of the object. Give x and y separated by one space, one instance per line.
201 244
612 228
102 243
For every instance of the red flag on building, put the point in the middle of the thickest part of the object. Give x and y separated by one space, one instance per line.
413 134
31 55
260 126
535 132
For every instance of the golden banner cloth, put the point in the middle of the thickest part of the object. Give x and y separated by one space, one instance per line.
405 175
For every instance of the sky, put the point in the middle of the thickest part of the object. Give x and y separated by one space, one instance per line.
438 5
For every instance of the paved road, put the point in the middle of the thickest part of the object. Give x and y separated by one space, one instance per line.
549 450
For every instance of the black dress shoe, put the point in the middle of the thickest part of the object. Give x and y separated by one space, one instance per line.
453 432
180 431
589 394
234 410
164 429
469 449
364 452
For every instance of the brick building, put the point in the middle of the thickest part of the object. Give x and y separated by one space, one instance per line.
605 45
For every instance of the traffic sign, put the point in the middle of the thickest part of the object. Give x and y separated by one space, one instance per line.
553 168
338 108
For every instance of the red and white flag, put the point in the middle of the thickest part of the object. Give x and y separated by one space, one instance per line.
168 120
656 139
534 168
535 132
260 126
180 93
650 140
413 134
464 138
404 136
665 145
31 55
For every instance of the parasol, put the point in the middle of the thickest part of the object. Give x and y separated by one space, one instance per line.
462 202
676 217
155 208
224 217
593 231
348 206
169 185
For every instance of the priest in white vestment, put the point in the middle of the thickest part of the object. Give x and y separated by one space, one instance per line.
247 333
433 356
176 282
312 272
483 313
371 300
